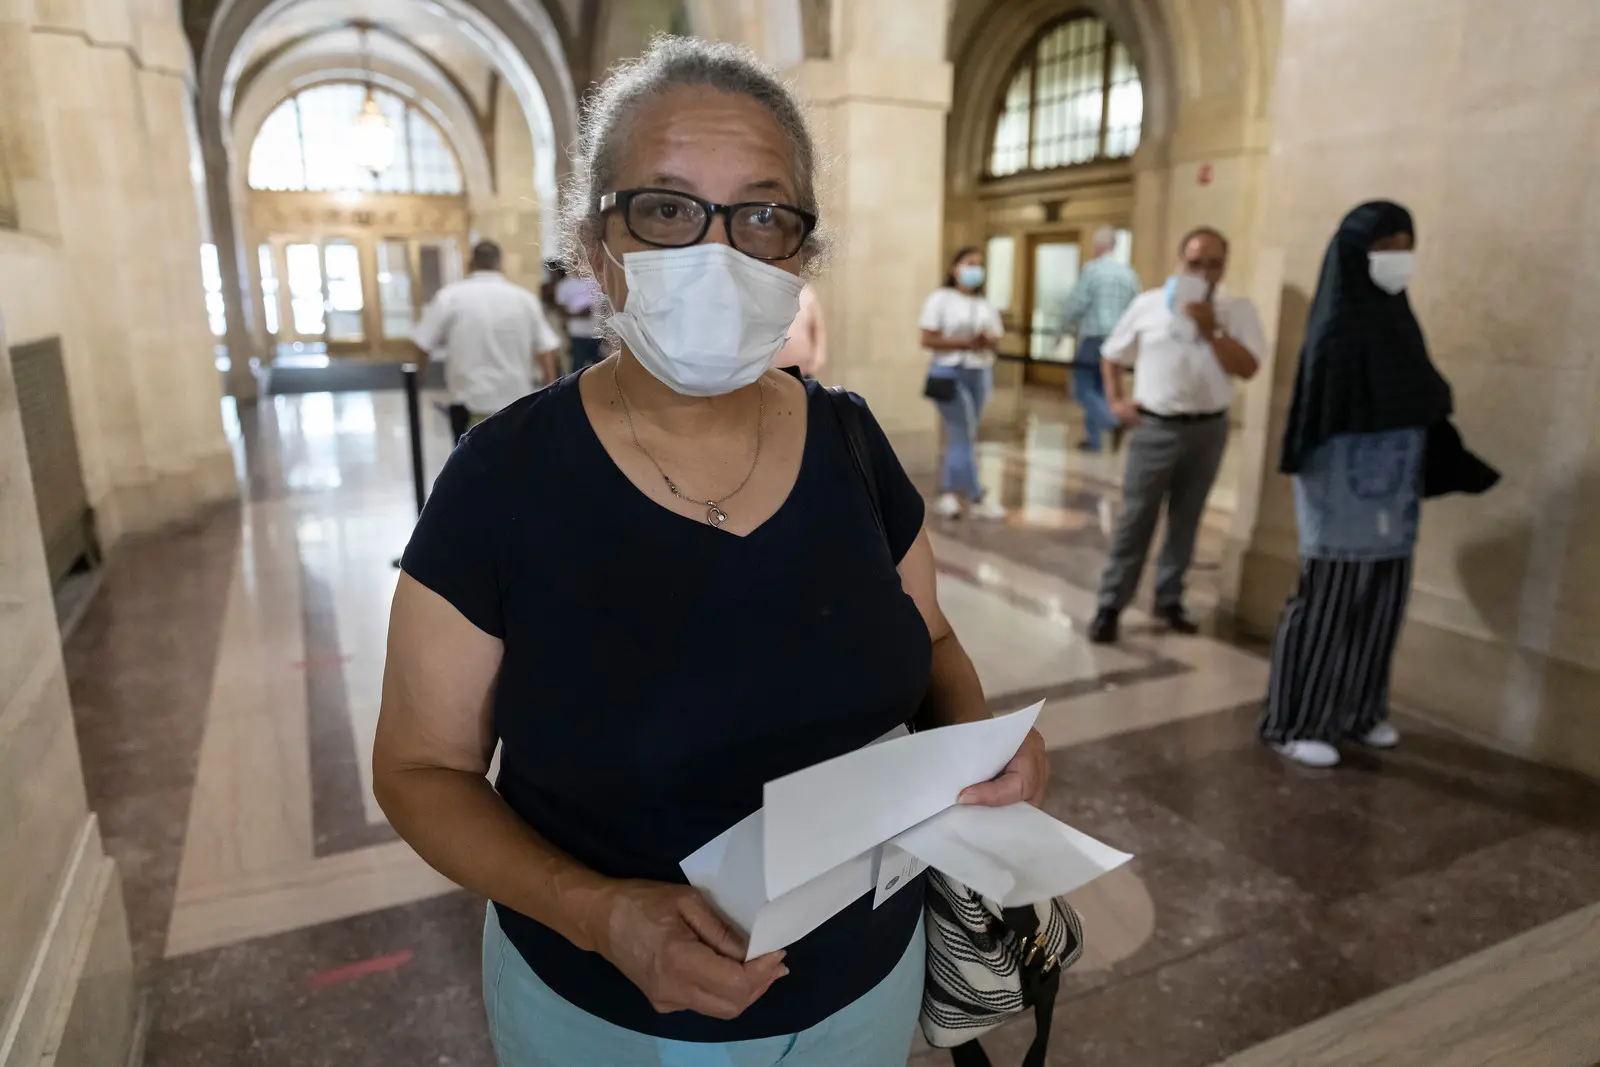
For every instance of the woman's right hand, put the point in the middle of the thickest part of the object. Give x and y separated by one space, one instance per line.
671 944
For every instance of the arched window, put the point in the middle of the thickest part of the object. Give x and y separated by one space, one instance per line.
1075 98
304 146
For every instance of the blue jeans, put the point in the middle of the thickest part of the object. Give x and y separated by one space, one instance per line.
1089 390
533 1027
961 414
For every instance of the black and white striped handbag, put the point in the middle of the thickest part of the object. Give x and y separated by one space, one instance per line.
987 964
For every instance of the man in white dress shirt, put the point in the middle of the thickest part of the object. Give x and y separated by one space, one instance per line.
1185 342
497 344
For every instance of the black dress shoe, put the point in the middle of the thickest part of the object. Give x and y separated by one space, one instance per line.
1103 630
1178 620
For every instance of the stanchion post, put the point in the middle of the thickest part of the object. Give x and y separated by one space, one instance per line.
414 418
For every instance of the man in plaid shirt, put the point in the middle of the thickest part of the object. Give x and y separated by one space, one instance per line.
1103 292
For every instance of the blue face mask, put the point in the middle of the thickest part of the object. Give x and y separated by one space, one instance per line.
970 275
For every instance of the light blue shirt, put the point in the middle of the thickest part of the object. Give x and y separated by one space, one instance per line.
1359 496
1103 292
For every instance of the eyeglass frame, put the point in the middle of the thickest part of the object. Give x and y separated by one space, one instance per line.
623 198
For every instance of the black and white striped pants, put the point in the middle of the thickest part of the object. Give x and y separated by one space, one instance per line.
1336 638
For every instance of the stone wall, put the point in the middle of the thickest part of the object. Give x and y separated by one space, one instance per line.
1483 118
96 116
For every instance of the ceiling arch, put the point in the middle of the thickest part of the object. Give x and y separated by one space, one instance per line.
293 73
520 41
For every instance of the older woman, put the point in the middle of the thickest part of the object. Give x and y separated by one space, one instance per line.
660 584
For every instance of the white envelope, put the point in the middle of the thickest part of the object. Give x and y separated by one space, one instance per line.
1015 856
727 869
818 843
826 815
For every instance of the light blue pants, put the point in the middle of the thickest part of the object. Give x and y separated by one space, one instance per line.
961 414
533 1027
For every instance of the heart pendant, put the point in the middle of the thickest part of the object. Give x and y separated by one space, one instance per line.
715 516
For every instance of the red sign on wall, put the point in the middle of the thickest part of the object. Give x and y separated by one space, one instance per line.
1203 175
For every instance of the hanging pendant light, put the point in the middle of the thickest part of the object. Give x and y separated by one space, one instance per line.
371 135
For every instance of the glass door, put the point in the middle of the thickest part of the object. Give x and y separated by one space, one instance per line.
346 303
1054 262
395 289
303 264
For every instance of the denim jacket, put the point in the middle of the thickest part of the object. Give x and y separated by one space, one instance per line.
1358 496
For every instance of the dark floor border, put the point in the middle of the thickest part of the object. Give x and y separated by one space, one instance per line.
338 807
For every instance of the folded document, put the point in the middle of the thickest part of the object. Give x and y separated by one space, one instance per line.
828 834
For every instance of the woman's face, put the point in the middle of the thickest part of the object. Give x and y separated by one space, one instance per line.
1395 242
722 147
966 262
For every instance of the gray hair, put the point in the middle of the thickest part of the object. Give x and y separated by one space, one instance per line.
1105 239
669 63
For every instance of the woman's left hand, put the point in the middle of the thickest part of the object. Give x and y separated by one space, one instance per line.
1023 780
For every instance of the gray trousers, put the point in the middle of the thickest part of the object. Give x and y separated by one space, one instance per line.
1171 462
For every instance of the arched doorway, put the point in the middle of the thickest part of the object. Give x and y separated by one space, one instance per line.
345 256
1041 156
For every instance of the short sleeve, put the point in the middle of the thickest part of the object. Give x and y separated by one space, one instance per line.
933 311
452 549
1122 346
1245 325
544 338
430 332
991 320
903 509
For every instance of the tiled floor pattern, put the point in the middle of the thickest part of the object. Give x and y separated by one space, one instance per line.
225 682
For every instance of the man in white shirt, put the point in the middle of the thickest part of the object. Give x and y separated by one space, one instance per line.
576 295
490 332
1186 342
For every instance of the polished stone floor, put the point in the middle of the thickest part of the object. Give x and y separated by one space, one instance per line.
225 680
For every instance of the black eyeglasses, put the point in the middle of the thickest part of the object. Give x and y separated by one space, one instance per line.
1205 264
668 219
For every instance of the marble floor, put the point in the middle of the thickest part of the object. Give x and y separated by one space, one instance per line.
225 680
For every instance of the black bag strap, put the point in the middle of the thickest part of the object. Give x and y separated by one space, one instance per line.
1037 989
855 436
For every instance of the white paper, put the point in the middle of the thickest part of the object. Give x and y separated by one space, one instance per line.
829 814
1191 289
729 870
897 869
1016 856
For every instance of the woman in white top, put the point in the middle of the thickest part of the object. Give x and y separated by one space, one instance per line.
960 331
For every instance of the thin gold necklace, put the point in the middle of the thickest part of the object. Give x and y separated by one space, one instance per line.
715 516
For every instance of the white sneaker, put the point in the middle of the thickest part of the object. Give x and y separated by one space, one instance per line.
948 506
1383 735
1309 753
991 510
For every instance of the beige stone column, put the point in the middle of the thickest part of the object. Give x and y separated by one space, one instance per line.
67 992
144 389
172 231
879 103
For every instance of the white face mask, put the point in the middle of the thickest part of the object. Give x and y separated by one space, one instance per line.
705 320
1391 271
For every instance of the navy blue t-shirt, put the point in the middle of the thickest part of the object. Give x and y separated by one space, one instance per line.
658 672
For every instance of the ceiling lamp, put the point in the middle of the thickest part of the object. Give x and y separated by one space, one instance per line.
371 135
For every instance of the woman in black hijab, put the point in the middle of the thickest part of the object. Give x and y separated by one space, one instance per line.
1365 398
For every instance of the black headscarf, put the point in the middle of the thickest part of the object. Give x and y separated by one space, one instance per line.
1364 367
